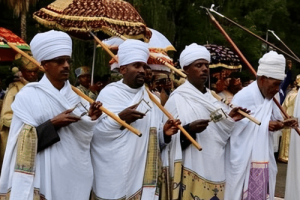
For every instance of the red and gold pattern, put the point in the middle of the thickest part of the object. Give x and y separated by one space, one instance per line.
91 15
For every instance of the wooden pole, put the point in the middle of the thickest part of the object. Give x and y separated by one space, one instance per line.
194 142
110 114
232 106
244 60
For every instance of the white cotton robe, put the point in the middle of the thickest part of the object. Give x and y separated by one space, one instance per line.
203 171
250 164
119 156
63 170
292 191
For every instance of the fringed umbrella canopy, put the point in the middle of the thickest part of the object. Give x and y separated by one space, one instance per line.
223 57
6 53
158 45
77 17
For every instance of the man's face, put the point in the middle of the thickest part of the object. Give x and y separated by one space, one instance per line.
30 75
270 87
58 69
134 74
198 71
85 80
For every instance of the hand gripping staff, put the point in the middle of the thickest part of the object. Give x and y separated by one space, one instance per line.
77 91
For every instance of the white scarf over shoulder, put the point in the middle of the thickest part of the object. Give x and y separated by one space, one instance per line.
189 104
119 156
250 143
63 170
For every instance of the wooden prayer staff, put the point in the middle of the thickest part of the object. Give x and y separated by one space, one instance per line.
232 106
156 102
244 59
151 54
251 33
194 142
77 91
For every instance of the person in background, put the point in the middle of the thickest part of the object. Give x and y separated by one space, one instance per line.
28 72
286 82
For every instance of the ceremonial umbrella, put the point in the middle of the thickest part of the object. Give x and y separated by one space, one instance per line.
223 61
158 45
6 53
78 17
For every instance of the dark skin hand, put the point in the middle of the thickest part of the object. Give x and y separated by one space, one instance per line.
237 116
275 125
94 111
130 114
65 118
170 127
198 126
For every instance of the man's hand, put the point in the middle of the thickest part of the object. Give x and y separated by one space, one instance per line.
291 122
198 126
94 111
237 116
170 127
64 119
275 125
130 114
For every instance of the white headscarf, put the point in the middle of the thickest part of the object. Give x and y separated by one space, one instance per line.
51 44
272 65
132 51
193 52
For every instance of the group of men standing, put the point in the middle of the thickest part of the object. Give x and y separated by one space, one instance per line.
60 147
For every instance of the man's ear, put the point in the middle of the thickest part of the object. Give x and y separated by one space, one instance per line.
186 70
123 69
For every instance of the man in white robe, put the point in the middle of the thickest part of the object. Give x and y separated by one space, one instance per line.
127 166
251 168
198 174
48 151
292 191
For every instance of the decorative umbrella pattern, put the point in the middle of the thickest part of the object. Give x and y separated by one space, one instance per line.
6 53
78 17
223 57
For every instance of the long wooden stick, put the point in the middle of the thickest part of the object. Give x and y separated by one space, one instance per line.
77 91
151 54
244 60
189 137
251 33
232 106
158 104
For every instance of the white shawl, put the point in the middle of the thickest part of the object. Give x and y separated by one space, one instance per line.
292 191
189 104
250 143
64 170
119 156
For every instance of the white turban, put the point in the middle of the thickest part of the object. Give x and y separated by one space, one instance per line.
51 44
272 65
132 51
192 53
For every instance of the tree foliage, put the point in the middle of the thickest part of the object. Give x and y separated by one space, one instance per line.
184 22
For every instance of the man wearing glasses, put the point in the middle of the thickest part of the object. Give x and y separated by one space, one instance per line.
48 152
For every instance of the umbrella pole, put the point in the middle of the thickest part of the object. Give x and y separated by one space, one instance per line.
151 54
77 91
152 98
93 65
